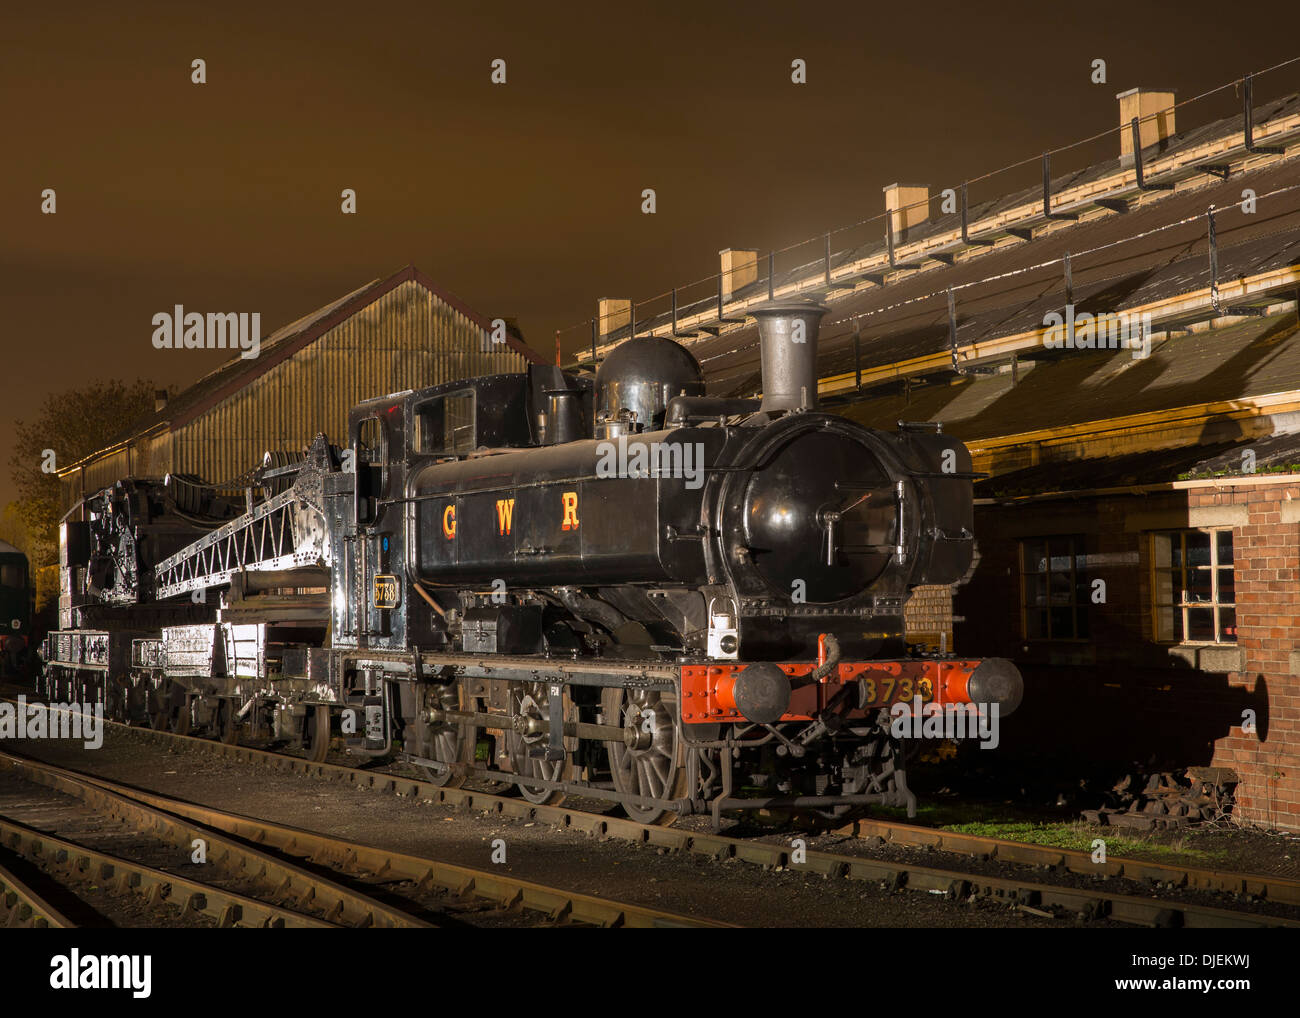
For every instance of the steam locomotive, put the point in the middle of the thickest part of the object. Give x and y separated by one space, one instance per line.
611 586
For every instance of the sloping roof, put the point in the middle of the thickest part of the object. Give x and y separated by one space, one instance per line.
238 372
1004 290
1236 364
1279 454
909 318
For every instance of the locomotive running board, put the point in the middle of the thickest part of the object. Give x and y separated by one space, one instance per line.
636 673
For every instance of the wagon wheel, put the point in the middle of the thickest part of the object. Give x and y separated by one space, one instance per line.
137 703
171 710
227 724
155 706
59 687
117 692
316 733
652 765
44 683
531 700
179 717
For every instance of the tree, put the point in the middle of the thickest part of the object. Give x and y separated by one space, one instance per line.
68 426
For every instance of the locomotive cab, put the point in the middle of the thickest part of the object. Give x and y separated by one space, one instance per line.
390 440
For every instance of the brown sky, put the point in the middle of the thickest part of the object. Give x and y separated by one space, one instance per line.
523 199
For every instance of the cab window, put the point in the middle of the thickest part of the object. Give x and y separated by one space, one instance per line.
444 425
370 456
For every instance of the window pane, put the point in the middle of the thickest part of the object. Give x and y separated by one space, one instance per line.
1200 624
1228 624
370 441
1060 585
1227 587
1223 539
1161 548
1198 548
1198 585
1055 594
445 425
1062 623
428 422
1035 625
1168 586
460 424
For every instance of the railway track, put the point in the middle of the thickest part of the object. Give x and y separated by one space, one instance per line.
416 889
68 864
262 878
21 905
1278 890
1085 903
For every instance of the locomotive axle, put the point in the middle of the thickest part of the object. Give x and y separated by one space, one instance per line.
527 725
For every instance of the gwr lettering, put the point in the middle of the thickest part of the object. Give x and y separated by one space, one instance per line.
570 501
505 510
505 515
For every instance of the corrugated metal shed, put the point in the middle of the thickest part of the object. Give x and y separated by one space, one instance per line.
392 334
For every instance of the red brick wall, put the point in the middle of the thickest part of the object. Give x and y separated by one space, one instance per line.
1122 699
1267 573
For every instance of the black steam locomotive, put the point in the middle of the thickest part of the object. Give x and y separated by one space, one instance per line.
614 586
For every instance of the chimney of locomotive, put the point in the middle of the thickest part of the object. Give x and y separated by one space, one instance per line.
787 336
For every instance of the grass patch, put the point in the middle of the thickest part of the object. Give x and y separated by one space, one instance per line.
932 813
1080 836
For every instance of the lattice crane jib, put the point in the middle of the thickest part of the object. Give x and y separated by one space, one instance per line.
286 531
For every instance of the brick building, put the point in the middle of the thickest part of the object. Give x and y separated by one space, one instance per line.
1155 622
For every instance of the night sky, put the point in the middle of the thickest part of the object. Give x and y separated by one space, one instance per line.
522 199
